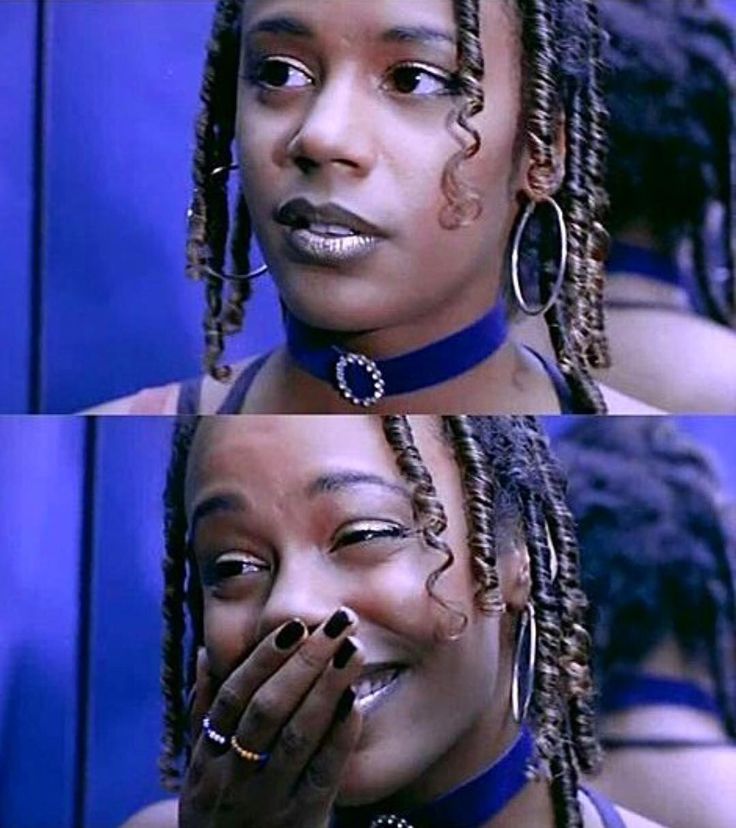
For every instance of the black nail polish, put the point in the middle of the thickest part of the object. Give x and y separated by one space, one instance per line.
344 654
339 622
345 704
289 635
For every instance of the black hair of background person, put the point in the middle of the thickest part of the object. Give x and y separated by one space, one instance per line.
560 40
657 554
512 487
673 142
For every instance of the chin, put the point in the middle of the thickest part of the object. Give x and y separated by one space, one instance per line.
327 301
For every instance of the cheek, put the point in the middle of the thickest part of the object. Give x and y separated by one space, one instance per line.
229 634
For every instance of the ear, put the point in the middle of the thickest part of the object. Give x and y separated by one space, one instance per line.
515 575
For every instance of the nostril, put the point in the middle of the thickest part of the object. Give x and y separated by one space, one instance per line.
305 164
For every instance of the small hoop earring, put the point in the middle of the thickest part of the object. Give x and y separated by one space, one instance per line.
229 277
521 698
528 308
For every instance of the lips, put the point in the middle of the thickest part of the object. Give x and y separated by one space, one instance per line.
326 235
325 219
375 684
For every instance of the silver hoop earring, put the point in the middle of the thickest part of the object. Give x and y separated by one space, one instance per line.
529 308
521 697
230 277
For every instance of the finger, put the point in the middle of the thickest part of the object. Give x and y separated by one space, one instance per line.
275 701
204 694
302 735
266 658
321 780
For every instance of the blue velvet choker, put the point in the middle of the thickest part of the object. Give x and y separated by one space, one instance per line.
640 261
471 805
629 689
364 381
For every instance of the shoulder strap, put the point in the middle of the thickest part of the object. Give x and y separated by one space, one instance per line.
606 810
235 400
190 394
557 378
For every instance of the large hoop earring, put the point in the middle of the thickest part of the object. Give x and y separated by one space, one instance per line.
529 308
229 277
521 697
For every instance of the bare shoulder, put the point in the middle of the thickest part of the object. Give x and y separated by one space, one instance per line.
592 819
632 820
149 401
620 403
162 814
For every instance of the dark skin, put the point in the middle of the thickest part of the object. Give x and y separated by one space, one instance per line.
330 116
353 110
278 540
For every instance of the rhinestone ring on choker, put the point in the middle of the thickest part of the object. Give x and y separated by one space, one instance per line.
390 821
374 374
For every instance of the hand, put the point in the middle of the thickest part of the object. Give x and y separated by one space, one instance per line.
291 702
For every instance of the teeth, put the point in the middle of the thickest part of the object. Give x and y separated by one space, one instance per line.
331 229
374 683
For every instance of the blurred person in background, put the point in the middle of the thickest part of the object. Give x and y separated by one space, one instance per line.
657 563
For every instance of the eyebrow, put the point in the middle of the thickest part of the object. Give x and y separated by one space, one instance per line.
338 481
280 26
224 502
397 34
417 34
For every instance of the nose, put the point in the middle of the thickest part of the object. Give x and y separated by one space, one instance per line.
335 131
306 587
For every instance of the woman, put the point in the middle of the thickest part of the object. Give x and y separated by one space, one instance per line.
670 89
658 566
390 612
393 156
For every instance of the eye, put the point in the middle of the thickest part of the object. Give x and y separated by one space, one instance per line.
281 73
231 565
420 80
366 531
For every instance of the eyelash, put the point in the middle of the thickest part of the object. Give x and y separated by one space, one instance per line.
218 571
450 83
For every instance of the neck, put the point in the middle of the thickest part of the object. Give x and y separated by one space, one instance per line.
364 381
476 802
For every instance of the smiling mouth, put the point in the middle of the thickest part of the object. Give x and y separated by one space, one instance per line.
374 688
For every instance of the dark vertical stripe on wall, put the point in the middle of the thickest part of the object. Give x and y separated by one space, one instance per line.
38 231
84 634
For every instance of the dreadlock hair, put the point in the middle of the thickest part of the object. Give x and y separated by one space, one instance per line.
561 71
671 92
657 550
513 491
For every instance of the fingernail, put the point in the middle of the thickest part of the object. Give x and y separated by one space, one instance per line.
345 704
344 654
338 623
289 634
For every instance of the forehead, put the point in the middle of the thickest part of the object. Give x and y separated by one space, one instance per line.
364 20
290 451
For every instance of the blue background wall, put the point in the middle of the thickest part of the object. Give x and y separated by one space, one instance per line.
94 186
97 100
80 553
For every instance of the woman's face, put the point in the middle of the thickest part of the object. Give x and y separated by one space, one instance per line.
293 517
347 104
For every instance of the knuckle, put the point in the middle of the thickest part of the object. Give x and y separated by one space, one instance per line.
262 713
310 659
318 778
229 705
293 742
